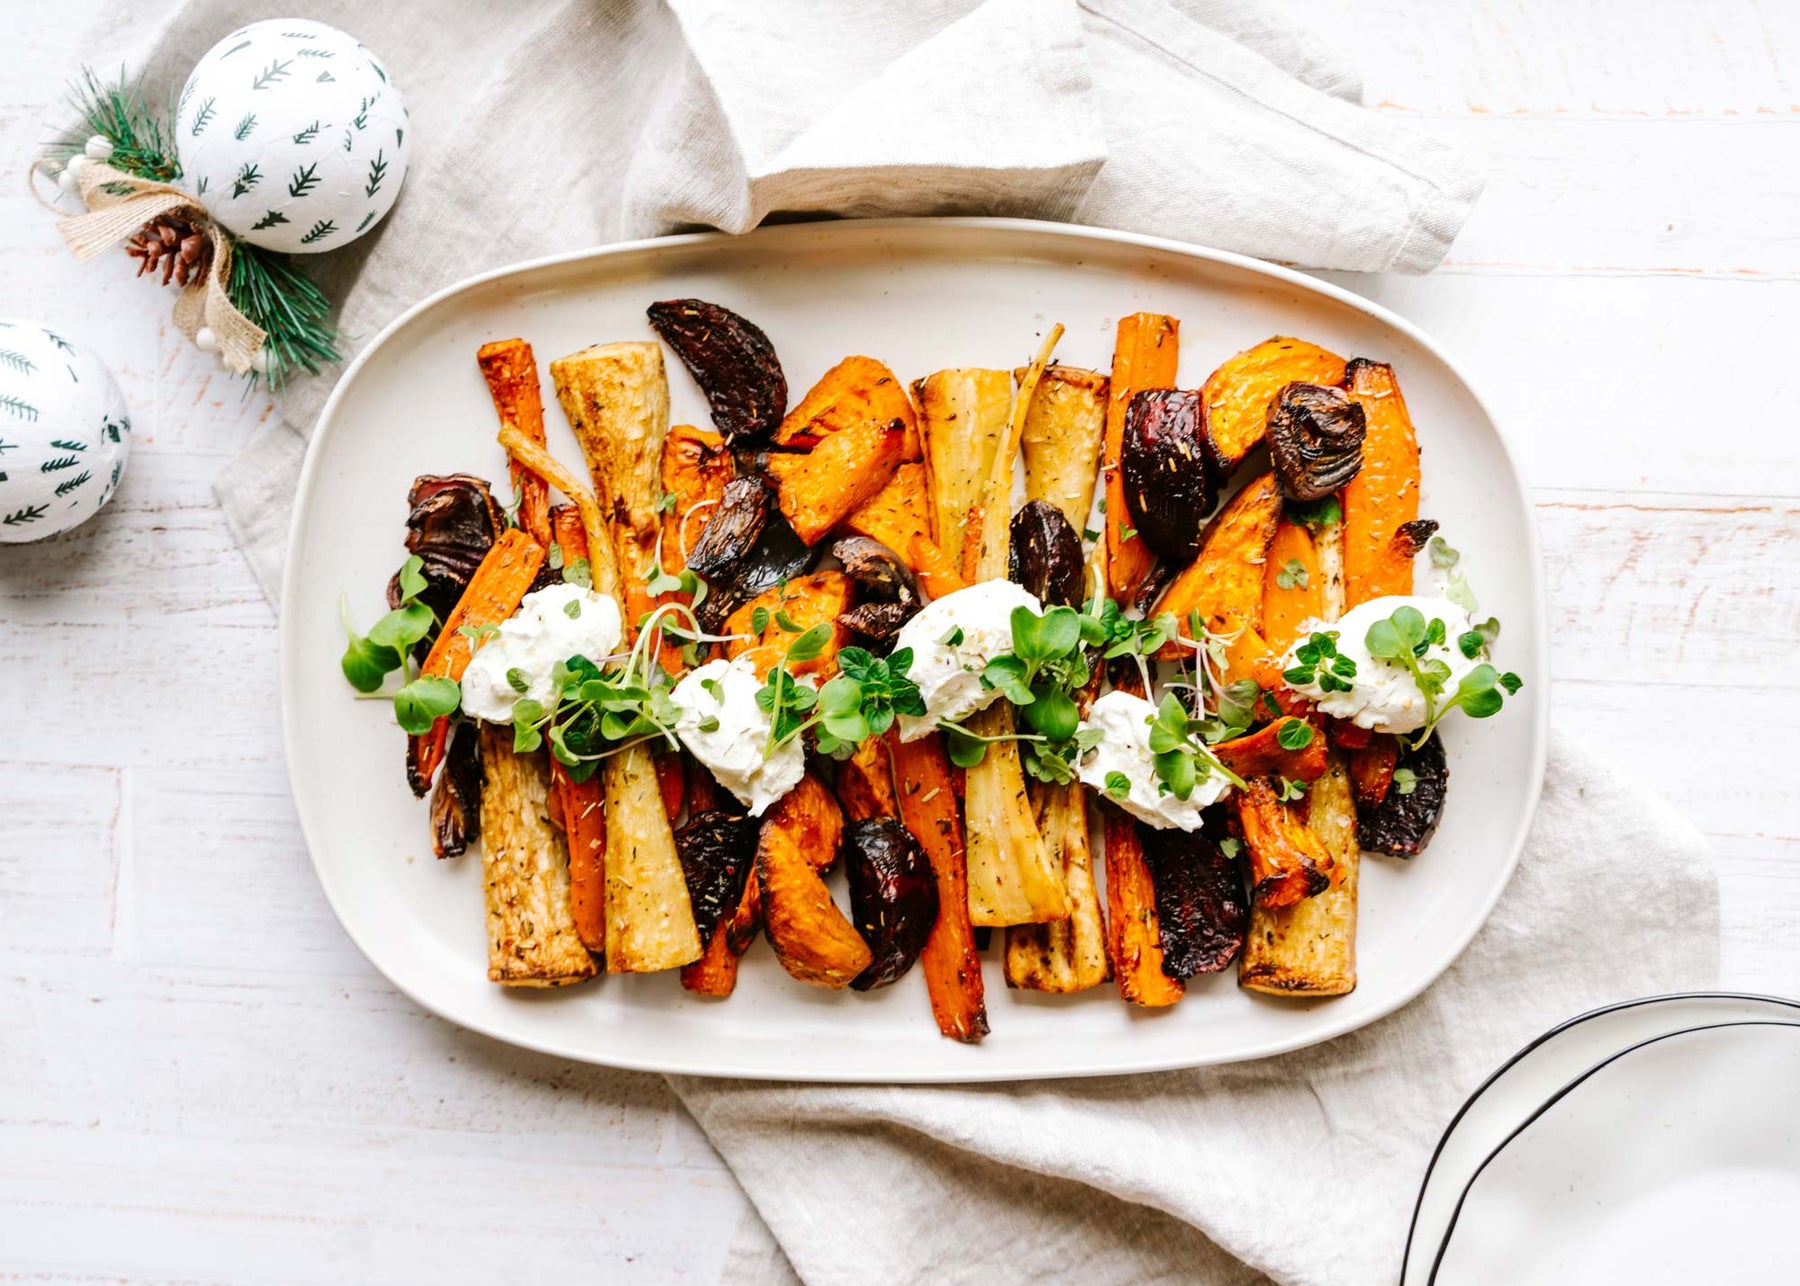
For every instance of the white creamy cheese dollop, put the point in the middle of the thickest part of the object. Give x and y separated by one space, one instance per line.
1123 721
949 673
1382 695
724 728
551 625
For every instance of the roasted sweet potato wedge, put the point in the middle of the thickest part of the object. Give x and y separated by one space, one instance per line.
821 487
696 465
1237 396
865 783
1261 754
1309 948
1293 584
817 598
857 391
1287 860
1382 500
812 938
1225 583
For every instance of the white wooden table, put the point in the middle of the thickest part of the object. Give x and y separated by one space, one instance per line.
202 1080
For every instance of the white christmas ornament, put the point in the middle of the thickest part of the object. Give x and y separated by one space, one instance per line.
64 433
292 136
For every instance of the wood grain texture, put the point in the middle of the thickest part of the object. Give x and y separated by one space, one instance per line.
201 1079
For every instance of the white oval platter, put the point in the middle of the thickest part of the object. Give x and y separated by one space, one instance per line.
920 295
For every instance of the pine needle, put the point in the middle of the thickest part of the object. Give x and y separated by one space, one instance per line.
118 114
294 312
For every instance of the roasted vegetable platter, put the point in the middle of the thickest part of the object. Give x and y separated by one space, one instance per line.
919 650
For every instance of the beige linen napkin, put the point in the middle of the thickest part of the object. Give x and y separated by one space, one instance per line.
563 124
1301 1169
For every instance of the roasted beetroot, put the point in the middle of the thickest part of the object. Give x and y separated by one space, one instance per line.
1315 440
452 523
1201 908
456 799
747 547
731 360
1046 555
1169 486
879 573
716 850
1408 815
893 897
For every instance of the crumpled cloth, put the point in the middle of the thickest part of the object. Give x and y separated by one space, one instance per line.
562 124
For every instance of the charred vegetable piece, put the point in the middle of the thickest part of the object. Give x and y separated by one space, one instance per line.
456 799
1225 583
1412 537
1168 486
452 524
1383 498
1309 949
717 851
865 783
788 611
801 837
1061 443
1201 908
1146 353
1133 933
880 574
1315 440
1265 753
1064 955
893 897
1241 393
1046 555
1287 860
532 940
858 390
731 360
925 788
1371 770
1406 820
878 621
746 548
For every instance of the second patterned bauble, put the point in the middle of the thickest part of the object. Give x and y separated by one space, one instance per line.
292 135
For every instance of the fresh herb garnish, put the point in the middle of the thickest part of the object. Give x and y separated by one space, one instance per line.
1118 785
857 703
1040 676
1294 734
1315 513
1293 575
1286 791
1405 780
1404 638
1317 661
1181 759
369 659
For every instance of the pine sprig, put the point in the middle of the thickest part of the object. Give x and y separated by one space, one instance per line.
293 311
118 114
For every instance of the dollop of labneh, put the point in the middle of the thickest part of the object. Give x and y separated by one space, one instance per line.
551 625
724 728
1123 721
952 639
1382 695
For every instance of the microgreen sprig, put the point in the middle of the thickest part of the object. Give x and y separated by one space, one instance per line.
369 658
1181 758
860 701
1405 638
1040 677
1318 661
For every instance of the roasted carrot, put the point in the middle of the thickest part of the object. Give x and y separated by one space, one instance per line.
492 595
1145 356
927 800
1384 495
579 808
512 379
1261 754
1133 931
1287 860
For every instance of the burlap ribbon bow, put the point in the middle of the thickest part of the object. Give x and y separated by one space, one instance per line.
117 206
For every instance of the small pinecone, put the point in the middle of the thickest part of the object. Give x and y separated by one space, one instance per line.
179 246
